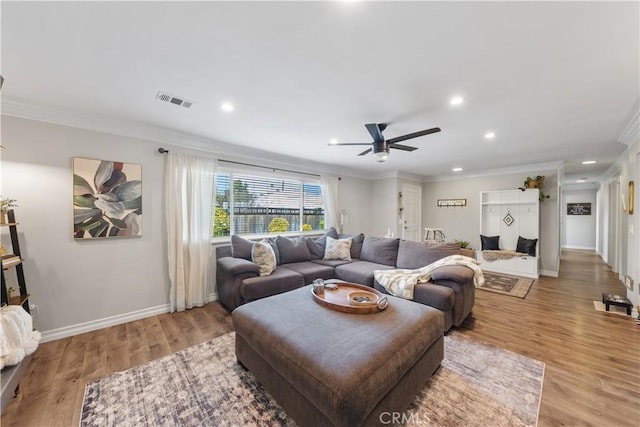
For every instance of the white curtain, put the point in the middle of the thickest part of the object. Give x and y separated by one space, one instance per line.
188 209
331 204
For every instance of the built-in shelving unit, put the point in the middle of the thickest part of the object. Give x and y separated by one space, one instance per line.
511 214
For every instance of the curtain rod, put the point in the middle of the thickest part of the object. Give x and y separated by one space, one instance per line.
164 151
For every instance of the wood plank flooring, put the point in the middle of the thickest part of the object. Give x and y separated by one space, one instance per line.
592 374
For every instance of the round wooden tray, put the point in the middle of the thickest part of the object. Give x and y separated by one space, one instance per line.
338 299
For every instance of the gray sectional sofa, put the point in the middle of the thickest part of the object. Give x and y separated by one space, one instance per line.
300 261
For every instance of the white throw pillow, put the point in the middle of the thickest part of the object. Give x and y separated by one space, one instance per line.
338 249
262 254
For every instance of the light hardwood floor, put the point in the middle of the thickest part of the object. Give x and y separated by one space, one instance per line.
592 374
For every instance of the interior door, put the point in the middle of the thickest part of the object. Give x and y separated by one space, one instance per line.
411 212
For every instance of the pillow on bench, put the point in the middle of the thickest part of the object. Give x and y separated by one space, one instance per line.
526 246
490 243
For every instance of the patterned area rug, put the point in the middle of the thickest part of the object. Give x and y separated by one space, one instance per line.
506 284
204 386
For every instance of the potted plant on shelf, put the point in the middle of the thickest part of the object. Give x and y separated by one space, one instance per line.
536 182
6 204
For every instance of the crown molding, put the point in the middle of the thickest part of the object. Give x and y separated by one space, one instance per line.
631 132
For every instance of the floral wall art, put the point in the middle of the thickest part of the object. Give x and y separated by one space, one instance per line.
107 199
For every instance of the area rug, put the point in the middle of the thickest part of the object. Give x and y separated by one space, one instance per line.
615 309
506 284
203 385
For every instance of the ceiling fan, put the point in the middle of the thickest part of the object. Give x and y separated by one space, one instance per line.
381 146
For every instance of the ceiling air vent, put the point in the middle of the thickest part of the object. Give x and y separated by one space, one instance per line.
174 100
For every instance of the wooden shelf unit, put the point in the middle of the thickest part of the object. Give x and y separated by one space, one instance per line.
14 262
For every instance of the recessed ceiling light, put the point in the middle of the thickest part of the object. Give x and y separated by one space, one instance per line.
588 162
457 169
581 180
227 107
489 135
333 141
456 100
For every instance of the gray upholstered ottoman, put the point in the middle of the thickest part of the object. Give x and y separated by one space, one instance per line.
330 368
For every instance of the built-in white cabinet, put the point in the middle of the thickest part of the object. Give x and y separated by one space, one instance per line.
510 214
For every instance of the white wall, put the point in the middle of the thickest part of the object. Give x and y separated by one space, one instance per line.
73 282
579 231
355 198
463 223
383 207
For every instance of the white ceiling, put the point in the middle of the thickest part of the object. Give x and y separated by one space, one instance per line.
556 81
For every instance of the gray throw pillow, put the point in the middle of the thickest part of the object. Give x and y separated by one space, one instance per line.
381 250
241 247
332 232
315 249
356 243
292 250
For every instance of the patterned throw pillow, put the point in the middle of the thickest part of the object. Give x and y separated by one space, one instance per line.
263 255
338 249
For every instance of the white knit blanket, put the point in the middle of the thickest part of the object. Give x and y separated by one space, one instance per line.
401 282
17 337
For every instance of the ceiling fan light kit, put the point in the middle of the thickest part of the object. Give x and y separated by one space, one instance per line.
381 146
381 156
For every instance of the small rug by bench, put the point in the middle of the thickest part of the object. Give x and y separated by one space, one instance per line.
203 385
506 284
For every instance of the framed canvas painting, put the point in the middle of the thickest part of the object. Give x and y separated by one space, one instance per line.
107 199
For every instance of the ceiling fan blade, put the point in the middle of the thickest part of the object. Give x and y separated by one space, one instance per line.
402 147
367 151
413 135
351 143
374 130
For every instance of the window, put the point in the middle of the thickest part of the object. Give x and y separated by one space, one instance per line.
253 204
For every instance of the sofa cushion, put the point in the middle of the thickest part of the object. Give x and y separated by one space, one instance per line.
359 272
330 262
331 232
418 254
338 249
526 246
356 244
489 243
311 270
292 250
281 280
380 250
315 249
241 247
262 255
316 246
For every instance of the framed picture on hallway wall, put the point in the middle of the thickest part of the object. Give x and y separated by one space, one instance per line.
107 199
578 208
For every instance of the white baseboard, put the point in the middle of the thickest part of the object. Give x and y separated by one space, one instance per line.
118 319
94 325
583 248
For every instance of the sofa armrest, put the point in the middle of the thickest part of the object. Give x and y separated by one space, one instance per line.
454 273
236 266
460 279
230 273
